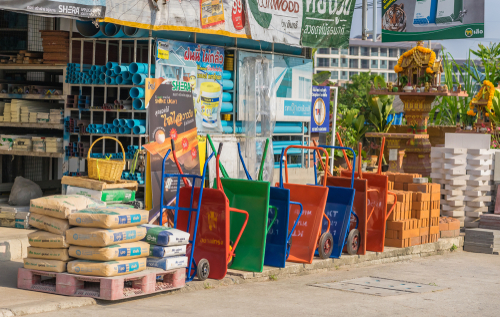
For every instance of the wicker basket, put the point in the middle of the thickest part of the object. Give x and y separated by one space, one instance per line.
103 169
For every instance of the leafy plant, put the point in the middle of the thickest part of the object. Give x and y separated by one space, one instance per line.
453 247
490 59
320 78
404 80
355 93
427 78
273 277
381 108
450 109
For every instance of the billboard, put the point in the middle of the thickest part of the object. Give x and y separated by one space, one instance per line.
201 66
58 8
413 20
320 109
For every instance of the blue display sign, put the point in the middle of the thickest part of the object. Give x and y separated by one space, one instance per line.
320 109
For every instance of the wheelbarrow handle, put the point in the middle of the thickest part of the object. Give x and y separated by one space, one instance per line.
380 157
223 170
263 161
281 167
327 219
333 147
217 167
231 254
306 148
345 155
274 218
296 221
163 187
243 163
172 144
394 205
320 159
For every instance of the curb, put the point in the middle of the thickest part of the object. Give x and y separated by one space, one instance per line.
233 277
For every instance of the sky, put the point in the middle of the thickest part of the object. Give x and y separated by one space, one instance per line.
457 48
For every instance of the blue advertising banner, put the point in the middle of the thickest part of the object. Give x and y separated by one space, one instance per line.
320 106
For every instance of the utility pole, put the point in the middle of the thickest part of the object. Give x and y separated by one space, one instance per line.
364 20
374 20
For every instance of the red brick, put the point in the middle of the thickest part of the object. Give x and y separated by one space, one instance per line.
450 233
398 186
404 178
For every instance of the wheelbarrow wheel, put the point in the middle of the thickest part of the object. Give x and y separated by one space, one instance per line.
353 242
231 259
325 247
203 269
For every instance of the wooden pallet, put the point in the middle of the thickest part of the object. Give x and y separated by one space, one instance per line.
85 182
149 281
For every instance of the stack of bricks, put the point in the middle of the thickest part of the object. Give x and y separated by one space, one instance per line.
453 181
479 189
400 181
415 217
449 227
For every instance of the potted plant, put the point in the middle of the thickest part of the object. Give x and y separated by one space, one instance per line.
403 80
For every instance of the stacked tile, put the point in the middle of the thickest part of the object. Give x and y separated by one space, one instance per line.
455 177
482 241
437 161
479 189
489 221
48 249
449 227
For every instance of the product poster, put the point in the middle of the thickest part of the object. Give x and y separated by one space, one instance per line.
414 20
201 66
223 17
58 8
171 116
312 23
320 115
292 86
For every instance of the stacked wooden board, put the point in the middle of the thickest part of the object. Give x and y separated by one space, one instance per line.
55 47
23 57
479 190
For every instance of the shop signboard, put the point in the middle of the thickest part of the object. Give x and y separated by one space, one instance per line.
312 23
58 8
201 66
292 86
414 20
223 17
170 116
320 114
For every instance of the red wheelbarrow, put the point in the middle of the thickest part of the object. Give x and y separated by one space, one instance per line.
307 236
205 214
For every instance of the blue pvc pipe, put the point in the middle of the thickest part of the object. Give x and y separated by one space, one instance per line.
110 73
137 92
118 69
113 30
116 130
102 76
123 122
111 65
227 74
139 79
131 123
227 84
139 129
138 104
135 32
126 75
110 80
116 122
88 29
226 107
227 96
104 68
124 130
140 68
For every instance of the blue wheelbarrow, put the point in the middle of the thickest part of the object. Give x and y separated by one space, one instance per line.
279 238
339 210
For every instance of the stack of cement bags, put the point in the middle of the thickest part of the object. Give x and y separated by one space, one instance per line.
168 247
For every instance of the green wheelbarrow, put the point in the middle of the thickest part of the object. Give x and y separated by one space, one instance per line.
253 196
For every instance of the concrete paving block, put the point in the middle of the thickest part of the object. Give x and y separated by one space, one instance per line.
477 193
453 213
448 156
454 150
456 177
478 203
478 199
478 168
483 151
436 176
455 182
452 208
455 171
476 209
473 214
454 203
479 162
455 198
438 165
478 183
481 188
452 187
479 157
420 180
480 172
455 161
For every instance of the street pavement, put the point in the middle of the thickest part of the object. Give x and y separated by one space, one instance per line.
468 285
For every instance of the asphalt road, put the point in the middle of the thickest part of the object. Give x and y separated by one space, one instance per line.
466 284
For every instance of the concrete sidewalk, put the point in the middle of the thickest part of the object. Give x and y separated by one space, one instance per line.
16 302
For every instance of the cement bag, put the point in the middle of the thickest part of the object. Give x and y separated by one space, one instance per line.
50 224
170 263
165 236
45 265
120 195
48 254
108 217
124 251
9 223
61 206
159 251
111 268
42 239
23 191
91 237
